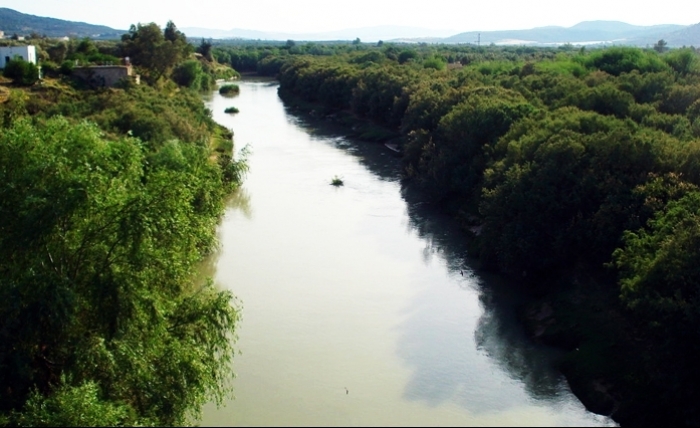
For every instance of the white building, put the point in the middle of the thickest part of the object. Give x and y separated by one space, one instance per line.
8 53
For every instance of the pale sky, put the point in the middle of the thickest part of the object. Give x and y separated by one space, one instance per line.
305 16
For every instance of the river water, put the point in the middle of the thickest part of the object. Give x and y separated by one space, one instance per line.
359 304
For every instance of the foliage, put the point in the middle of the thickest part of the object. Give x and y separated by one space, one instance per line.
21 72
102 315
204 49
190 74
661 46
229 89
147 47
73 406
458 153
110 200
620 60
563 189
231 109
659 275
683 61
436 63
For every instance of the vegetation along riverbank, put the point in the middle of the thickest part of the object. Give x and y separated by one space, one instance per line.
110 194
572 171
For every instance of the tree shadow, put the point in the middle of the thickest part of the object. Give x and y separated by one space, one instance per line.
482 360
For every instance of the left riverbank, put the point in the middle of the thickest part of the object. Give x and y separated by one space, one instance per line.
110 200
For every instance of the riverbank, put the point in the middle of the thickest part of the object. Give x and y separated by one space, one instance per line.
355 127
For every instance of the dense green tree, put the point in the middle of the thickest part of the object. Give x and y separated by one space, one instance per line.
452 164
148 48
21 72
407 55
189 74
683 61
172 34
620 60
204 49
661 46
562 190
57 52
103 321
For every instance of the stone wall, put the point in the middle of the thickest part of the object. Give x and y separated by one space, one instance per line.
105 75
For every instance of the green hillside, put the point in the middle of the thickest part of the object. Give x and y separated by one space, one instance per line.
13 22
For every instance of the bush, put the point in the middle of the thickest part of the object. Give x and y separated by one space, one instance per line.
189 74
229 89
50 68
21 72
67 67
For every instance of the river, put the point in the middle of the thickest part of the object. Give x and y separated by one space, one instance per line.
360 307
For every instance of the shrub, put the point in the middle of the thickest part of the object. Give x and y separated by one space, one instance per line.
67 67
21 72
189 74
229 89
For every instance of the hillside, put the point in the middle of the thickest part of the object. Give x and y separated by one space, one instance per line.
689 36
366 34
13 22
584 32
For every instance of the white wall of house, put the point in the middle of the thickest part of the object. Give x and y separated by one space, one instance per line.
27 53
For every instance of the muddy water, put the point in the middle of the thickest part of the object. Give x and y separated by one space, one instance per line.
358 305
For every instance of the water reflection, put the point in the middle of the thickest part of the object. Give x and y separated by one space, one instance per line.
239 201
365 287
376 157
457 372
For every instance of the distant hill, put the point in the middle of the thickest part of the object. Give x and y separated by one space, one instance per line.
366 34
688 36
587 32
13 22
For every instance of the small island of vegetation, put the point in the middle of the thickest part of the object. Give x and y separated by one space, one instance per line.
229 89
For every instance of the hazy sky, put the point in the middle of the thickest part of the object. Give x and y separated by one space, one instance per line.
304 16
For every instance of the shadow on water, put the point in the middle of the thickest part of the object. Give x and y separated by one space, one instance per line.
376 157
465 376
239 200
494 339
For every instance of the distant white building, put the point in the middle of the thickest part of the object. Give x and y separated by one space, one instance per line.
2 34
8 53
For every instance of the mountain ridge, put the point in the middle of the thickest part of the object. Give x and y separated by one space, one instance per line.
582 33
585 32
14 22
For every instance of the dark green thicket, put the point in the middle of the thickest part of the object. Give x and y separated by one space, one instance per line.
21 72
229 89
576 166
